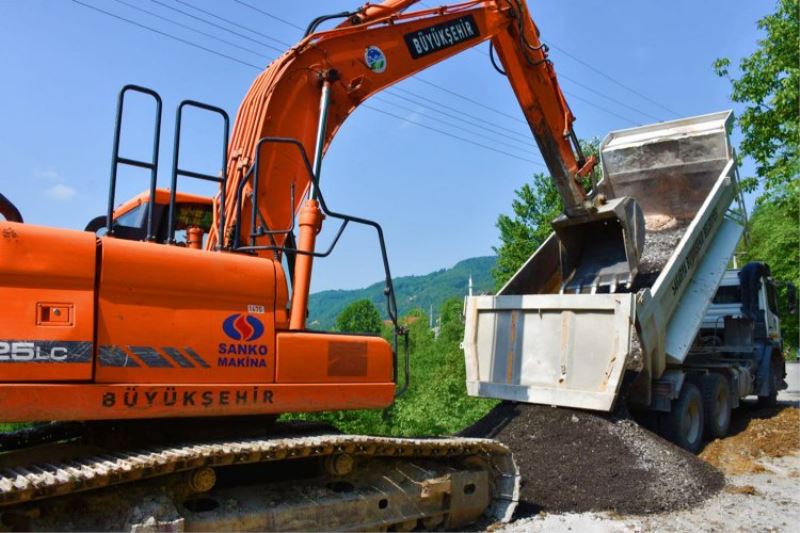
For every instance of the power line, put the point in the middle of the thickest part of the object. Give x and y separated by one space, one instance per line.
256 67
173 37
182 12
228 21
617 82
230 43
426 126
502 113
480 123
603 109
455 109
590 89
452 125
270 15
468 99
430 83
609 98
589 102
234 23
476 102
265 57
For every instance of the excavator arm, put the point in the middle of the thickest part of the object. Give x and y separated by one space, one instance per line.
306 94
373 49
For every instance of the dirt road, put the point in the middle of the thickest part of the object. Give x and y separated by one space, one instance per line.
761 462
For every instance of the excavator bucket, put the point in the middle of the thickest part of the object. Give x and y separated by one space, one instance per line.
554 334
600 251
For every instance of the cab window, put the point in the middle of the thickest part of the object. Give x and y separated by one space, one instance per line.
133 218
728 294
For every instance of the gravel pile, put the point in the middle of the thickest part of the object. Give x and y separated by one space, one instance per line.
574 461
659 244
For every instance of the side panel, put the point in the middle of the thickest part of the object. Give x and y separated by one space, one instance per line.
47 278
658 304
688 315
567 350
168 314
306 357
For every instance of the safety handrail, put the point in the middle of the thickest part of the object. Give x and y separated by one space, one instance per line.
116 160
177 171
391 302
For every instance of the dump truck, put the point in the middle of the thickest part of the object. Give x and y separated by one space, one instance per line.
561 335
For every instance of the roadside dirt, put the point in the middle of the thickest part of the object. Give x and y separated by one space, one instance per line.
574 461
761 460
766 433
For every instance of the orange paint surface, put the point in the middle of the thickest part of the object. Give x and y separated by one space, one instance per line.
28 402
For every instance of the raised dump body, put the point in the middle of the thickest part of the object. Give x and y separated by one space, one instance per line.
546 340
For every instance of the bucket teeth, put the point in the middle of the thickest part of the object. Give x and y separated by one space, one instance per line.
601 248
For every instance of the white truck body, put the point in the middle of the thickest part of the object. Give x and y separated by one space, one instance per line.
534 343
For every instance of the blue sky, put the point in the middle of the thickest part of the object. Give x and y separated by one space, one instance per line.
437 196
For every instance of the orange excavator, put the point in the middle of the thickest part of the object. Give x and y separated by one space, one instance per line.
178 323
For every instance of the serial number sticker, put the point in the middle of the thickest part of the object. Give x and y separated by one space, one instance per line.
256 309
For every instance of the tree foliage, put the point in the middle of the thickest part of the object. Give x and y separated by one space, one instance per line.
535 206
436 402
360 316
769 86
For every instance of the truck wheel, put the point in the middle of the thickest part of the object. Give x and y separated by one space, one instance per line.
717 405
683 425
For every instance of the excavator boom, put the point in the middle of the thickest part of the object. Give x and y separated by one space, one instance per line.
375 48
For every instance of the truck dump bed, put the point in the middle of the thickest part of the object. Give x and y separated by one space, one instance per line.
532 343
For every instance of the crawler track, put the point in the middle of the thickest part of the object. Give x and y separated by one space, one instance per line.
60 470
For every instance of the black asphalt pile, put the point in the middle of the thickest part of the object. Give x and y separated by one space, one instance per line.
575 461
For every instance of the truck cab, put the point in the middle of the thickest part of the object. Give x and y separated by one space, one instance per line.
728 302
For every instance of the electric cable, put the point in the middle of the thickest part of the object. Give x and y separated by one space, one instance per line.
184 41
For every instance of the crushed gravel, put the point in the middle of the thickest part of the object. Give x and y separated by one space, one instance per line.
659 245
575 461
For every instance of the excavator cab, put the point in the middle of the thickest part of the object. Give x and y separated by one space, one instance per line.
193 218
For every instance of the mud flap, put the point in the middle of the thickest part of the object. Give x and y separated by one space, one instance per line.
565 350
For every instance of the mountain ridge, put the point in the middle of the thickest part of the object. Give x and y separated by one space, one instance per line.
415 291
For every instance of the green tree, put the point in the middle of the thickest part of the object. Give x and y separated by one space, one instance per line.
360 316
535 206
769 86
420 336
436 402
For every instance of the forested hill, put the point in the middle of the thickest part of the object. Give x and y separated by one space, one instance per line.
412 291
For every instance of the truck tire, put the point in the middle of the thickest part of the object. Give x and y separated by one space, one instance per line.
717 406
683 425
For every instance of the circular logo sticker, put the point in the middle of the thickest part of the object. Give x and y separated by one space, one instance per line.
375 59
